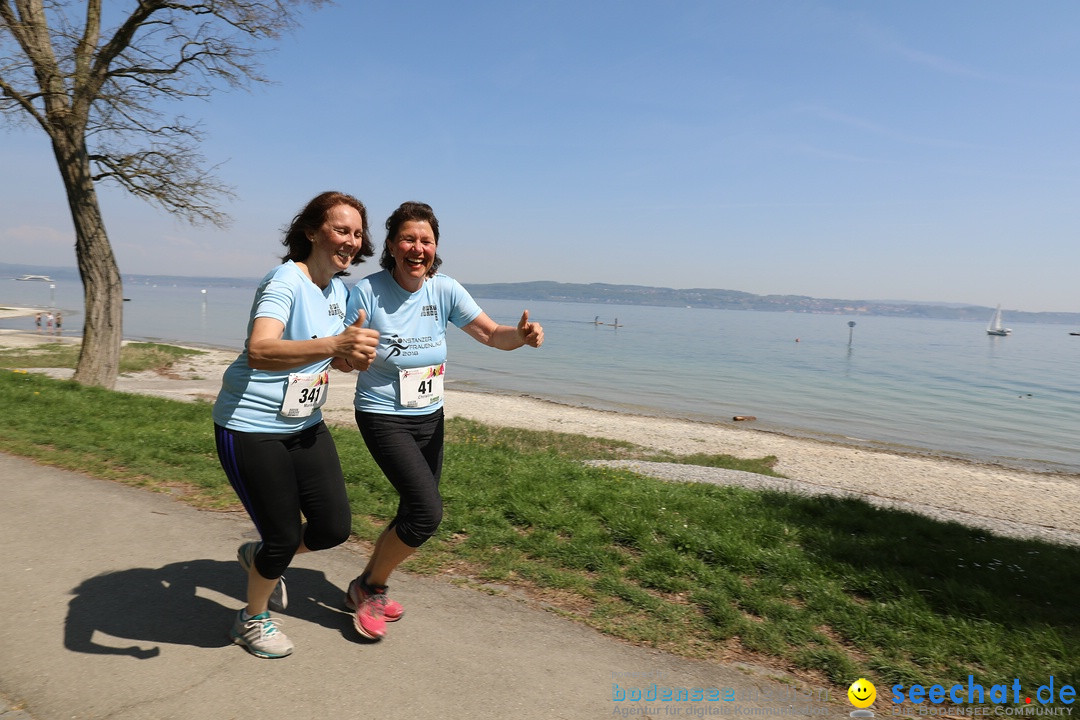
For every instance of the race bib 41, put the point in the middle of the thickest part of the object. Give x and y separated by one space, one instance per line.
421 387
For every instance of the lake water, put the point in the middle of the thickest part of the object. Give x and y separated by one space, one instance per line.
938 386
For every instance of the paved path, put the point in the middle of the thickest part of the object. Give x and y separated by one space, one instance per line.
115 602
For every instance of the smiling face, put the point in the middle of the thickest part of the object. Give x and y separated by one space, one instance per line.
335 242
862 693
413 250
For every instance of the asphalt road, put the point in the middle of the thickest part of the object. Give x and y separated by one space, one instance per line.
115 603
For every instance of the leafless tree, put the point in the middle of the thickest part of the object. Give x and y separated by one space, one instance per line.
98 85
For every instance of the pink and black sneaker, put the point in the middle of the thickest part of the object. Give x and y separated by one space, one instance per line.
392 610
372 608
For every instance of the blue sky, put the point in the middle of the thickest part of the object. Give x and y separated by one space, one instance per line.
913 150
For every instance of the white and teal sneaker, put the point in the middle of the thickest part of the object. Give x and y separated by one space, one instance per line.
261 635
245 554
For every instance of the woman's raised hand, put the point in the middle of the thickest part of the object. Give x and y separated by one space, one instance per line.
357 344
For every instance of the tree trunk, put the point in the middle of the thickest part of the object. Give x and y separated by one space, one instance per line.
103 294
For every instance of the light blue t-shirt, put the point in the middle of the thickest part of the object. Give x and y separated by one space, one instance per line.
412 333
250 400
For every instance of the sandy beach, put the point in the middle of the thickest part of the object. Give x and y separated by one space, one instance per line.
1002 500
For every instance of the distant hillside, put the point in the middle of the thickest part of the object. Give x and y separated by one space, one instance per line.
607 294
603 293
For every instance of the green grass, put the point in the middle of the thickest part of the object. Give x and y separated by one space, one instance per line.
830 589
134 357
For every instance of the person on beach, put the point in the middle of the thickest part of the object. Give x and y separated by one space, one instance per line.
37 321
399 399
271 440
59 324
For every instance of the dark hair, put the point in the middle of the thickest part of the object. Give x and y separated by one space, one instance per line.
313 216
407 211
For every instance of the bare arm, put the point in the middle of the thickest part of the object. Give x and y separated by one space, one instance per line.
268 351
506 337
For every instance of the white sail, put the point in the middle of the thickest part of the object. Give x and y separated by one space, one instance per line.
995 327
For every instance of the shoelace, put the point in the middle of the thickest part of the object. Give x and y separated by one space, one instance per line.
267 626
377 603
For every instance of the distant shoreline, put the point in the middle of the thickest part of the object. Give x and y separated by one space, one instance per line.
621 294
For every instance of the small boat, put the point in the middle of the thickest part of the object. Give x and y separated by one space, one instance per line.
43 278
1074 333
995 327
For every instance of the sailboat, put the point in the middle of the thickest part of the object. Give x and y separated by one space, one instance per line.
995 327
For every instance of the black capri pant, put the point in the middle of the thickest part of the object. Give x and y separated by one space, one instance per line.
278 478
409 450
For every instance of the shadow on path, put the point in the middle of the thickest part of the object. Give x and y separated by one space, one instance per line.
161 605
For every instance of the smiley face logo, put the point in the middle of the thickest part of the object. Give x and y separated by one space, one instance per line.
862 693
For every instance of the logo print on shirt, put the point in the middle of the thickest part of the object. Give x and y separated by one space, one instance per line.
396 346
336 311
429 311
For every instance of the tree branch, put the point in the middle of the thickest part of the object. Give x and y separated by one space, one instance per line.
170 176
105 86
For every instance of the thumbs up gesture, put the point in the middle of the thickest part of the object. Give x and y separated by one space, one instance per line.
531 333
356 344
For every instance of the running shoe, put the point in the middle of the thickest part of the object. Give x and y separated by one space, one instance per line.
392 610
245 554
370 616
261 635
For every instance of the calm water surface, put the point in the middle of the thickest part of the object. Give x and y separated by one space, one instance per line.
937 386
